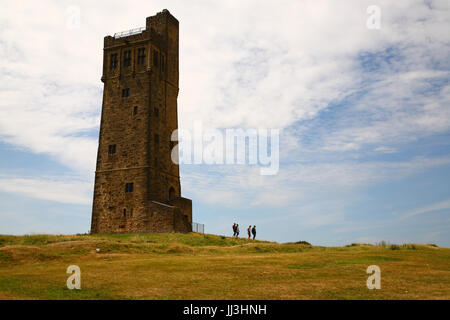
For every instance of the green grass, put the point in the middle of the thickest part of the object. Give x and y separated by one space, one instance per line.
198 266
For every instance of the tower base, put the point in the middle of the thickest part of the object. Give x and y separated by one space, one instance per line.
158 218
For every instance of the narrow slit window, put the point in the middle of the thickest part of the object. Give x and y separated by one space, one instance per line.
113 62
127 58
141 56
112 149
155 58
129 187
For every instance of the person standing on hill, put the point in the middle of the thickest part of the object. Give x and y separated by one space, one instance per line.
234 229
249 230
254 232
237 230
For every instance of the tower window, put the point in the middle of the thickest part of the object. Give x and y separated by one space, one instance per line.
131 212
112 149
125 92
155 58
129 187
127 58
141 56
156 112
171 193
113 61
135 111
156 140
124 212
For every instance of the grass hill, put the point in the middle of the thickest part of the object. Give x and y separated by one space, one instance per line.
197 266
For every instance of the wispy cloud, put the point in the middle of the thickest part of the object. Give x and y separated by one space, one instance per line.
444 205
299 183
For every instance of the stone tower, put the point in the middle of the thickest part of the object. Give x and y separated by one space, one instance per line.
137 185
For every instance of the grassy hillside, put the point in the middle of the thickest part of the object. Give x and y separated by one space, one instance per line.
197 266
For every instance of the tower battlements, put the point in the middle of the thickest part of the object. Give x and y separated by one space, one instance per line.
156 25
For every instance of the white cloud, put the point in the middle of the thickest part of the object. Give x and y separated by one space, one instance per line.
60 189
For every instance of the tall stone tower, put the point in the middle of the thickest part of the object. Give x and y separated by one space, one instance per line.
137 185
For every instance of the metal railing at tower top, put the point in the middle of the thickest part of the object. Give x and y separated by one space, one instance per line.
198 227
128 32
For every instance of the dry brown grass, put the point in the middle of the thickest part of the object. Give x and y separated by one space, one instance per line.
199 267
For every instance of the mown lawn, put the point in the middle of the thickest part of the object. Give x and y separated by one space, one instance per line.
196 266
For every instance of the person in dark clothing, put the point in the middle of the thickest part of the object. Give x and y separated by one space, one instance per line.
254 232
234 229
249 231
237 230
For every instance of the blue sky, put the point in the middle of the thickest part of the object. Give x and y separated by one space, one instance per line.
364 114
